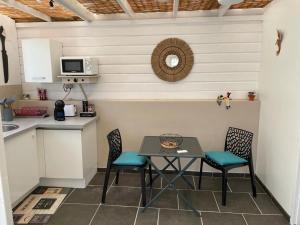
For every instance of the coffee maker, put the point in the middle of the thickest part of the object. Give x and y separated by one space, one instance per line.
59 113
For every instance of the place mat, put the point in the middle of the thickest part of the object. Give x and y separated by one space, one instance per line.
38 207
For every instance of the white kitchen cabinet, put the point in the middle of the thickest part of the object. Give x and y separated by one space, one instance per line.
68 158
41 59
22 164
63 154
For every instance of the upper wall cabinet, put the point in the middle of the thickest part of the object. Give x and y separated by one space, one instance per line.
41 59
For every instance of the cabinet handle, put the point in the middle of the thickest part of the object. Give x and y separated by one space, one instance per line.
38 78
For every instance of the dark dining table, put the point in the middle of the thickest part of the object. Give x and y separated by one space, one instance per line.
151 147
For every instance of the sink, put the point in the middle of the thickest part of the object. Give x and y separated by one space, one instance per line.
9 127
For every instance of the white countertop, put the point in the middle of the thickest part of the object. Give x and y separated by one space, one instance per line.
74 123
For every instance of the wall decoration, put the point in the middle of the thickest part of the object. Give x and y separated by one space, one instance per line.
4 55
279 41
226 99
172 60
251 95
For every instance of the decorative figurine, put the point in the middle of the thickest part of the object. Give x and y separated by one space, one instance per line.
220 99
279 41
225 99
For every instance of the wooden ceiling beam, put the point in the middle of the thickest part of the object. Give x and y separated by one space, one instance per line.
26 9
175 7
126 7
78 9
226 4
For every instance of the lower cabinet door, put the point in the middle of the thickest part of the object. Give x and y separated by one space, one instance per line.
22 164
63 154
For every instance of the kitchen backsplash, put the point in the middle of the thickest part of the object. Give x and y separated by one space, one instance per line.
48 103
10 90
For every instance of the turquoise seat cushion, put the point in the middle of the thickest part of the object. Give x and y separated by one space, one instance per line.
130 159
224 158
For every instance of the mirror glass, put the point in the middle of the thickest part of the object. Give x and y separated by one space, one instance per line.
172 61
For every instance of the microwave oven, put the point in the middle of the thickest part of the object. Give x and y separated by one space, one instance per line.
79 66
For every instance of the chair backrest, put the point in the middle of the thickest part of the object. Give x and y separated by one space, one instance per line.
239 142
115 145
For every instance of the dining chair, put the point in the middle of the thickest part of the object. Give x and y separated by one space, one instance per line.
124 160
237 153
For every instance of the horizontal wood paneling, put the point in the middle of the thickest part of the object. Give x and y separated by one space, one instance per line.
147 49
153 40
144 30
227 57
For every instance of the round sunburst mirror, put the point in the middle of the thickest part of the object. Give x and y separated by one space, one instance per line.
172 60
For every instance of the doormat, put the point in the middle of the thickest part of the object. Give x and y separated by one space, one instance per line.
38 207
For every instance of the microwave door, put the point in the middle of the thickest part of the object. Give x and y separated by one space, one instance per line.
73 66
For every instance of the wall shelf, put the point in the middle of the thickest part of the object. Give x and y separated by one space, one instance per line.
79 79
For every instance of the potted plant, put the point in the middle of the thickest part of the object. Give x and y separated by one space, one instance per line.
251 95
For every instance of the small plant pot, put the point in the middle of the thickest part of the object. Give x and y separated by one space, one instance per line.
251 97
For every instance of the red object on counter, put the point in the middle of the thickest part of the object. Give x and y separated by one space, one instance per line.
34 111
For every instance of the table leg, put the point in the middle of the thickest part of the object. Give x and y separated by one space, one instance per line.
170 162
171 183
179 167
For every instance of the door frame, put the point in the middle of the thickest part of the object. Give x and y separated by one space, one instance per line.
5 204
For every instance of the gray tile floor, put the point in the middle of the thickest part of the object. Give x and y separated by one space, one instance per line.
82 206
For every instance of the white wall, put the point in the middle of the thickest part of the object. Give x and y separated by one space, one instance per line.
12 52
227 55
279 134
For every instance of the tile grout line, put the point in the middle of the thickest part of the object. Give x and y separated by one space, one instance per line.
158 216
253 214
255 203
97 209
94 215
177 201
188 189
216 201
137 211
185 189
124 206
110 185
74 203
244 219
181 189
186 210
201 220
229 187
195 187
202 211
66 198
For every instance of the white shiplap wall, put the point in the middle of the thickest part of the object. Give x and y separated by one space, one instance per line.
227 56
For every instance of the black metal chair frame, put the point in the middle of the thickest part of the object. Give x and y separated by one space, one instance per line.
240 146
115 150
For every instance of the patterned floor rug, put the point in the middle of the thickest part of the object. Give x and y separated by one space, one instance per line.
38 207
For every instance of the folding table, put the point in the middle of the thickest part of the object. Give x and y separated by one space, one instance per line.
151 147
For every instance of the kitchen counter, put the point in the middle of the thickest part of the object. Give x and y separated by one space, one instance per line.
71 123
